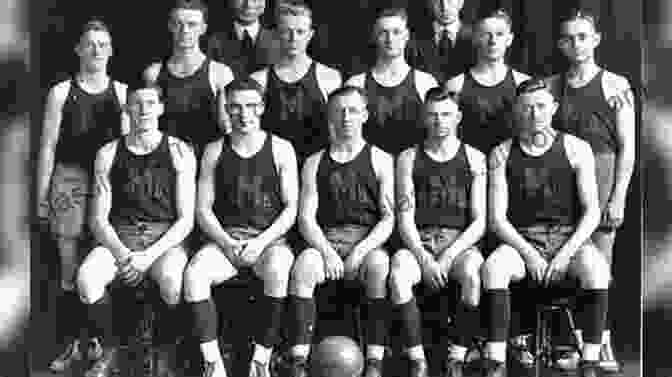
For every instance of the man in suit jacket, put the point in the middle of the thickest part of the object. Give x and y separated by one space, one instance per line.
246 46
445 48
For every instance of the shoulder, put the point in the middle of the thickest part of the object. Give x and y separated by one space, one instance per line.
578 151
260 76
59 92
121 89
614 81
519 77
476 159
357 80
213 149
327 73
151 73
424 80
380 158
407 156
616 89
499 155
312 162
555 83
221 71
281 146
455 84
183 155
106 154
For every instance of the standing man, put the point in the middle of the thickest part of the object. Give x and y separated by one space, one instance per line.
247 201
297 86
544 208
81 115
394 89
442 216
444 49
247 46
598 106
143 210
191 82
346 216
487 90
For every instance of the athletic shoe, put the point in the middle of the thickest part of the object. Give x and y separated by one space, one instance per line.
589 368
494 368
298 367
418 368
105 365
608 362
453 368
258 369
214 369
65 360
374 368
94 350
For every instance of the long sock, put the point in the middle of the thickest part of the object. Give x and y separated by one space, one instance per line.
411 323
70 312
594 310
272 310
376 321
467 323
302 318
100 319
498 306
205 320
168 321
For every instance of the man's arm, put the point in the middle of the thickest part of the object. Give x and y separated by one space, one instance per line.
220 76
328 79
424 82
383 166
102 203
308 226
151 73
408 229
357 80
477 200
285 157
206 198
50 131
122 90
184 161
498 196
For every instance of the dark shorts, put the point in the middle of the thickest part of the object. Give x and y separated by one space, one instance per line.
141 235
437 239
242 233
344 238
69 201
548 239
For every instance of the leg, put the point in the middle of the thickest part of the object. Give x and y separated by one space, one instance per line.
273 268
374 273
502 267
604 240
207 268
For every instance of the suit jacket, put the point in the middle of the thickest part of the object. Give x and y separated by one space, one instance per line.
423 53
225 47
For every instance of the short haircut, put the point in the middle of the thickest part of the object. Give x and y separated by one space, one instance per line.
392 12
532 85
293 8
347 90
580 14
500 13
191 5
141 84
440 94
243 84
94 25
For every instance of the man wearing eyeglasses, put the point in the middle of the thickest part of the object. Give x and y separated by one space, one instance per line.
544 209
247 201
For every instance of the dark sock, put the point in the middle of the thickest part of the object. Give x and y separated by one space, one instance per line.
467 323
168 318
272 309
411 323
70 312
205 320
100 319
301 313
594 306
498 307
376 321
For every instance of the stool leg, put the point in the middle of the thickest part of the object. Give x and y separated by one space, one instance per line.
538 346
572 327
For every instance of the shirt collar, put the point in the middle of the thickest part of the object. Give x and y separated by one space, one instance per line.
253 29
454 28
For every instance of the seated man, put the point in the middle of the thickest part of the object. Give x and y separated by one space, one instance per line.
544 207
143 210
247 201
441 207
346 216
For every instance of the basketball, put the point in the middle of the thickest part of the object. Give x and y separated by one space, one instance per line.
337 356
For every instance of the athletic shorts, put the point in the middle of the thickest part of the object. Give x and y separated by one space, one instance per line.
69 200
437 239
242 233
141 235
548 239
344 238
605 165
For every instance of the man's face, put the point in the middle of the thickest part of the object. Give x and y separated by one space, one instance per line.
144 108
347 115
295 33
445 11
534 111
391 36
245 108
442 118
248 11
187 27
578 40
94 49
493 37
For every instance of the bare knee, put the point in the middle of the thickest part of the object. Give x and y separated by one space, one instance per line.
470 279
196 280
278 265
498 270
377 264
592 269
400 275
306 273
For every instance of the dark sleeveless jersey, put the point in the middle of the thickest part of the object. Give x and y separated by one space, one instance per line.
442 190
297 112
585 113
486 110
348 192
143 186
190 106
247 189
89 121
542 189
394 114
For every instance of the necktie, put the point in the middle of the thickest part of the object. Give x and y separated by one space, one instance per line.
445 44
247 45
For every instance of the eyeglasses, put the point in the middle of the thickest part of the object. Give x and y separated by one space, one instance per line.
237 108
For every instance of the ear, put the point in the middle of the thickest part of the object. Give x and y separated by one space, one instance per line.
597 39
458 117
161 109
556 105
205 28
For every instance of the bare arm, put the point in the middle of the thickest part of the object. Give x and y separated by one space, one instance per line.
185 197
356 80
308 226
408 229
623 104
50 131
284 155
102 203
221 76
122 91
